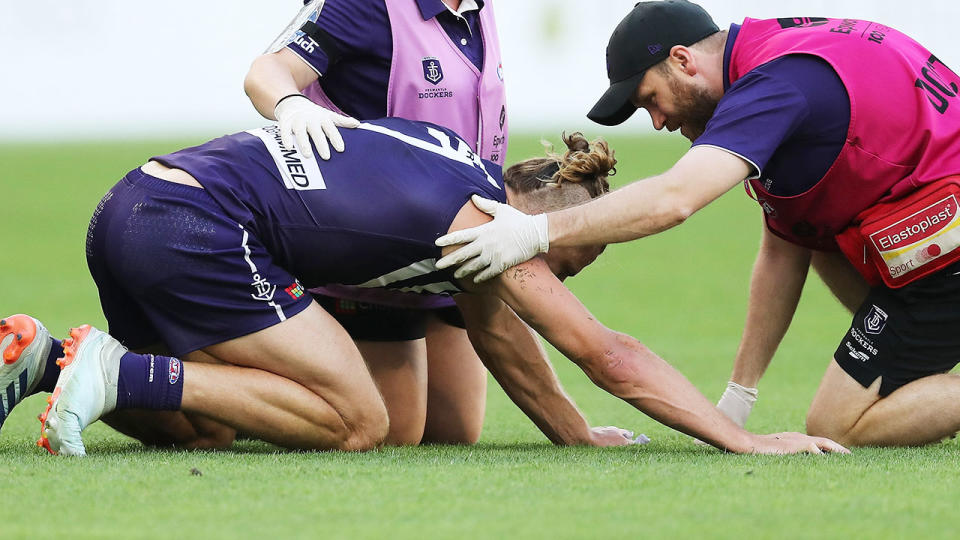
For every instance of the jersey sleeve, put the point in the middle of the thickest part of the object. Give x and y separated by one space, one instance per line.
756 115
324 32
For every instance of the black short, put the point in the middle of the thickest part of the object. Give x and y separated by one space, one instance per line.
373 322
904 334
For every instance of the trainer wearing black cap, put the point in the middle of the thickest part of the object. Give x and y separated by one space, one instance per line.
643 39
845 131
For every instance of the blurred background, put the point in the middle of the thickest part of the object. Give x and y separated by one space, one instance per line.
111 69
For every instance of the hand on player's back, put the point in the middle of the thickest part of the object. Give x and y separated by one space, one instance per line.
510 239
303 120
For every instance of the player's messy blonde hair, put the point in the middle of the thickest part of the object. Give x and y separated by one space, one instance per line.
586 164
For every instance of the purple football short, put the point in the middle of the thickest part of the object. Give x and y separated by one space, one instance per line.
172 268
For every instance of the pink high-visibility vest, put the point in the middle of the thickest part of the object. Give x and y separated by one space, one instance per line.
904 119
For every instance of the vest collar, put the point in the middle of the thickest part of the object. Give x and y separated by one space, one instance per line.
431 8
727 51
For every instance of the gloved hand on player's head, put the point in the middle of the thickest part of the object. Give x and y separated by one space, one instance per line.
303 120
510 239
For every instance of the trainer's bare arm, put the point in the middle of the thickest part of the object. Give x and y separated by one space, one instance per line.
652 205
640 209
779 274
275 75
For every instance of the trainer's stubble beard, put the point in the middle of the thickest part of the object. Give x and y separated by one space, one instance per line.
695 107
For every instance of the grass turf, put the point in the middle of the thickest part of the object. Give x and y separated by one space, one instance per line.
682 292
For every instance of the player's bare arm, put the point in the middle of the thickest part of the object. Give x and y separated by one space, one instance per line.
512 353
621 365
626 368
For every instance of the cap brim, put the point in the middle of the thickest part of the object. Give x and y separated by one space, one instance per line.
614 107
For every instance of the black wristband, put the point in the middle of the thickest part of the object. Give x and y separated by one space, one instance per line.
279 101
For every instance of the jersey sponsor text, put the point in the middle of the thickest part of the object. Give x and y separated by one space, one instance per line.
296 172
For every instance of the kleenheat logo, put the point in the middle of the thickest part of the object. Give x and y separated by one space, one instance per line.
802 22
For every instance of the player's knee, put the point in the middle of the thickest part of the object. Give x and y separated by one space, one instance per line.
821 425
211 441
366 433
405 435
466 434
364 438
406 426
460 433
455 424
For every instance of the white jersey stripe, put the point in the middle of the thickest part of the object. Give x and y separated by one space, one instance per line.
246 250
435 288
419 268
461 154
277 307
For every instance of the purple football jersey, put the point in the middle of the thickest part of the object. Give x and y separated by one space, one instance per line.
368 217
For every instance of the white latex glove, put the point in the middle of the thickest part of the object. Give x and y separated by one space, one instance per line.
510 239
303 119
737 402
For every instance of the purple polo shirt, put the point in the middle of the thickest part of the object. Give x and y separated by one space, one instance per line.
354 63
788 117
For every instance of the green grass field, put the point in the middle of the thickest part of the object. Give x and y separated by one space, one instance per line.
683 293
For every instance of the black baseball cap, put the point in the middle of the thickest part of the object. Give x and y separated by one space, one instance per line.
642 39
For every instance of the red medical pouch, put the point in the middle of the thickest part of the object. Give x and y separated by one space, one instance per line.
901 241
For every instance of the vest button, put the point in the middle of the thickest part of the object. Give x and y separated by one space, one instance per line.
463 41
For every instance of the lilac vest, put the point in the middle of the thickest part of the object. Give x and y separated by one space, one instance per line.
432 81
904 119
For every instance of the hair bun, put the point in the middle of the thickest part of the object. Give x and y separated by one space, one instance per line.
586 162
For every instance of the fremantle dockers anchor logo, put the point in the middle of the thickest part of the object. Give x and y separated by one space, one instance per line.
432 71
875 320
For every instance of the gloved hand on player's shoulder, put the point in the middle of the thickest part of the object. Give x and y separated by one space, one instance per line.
303 120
